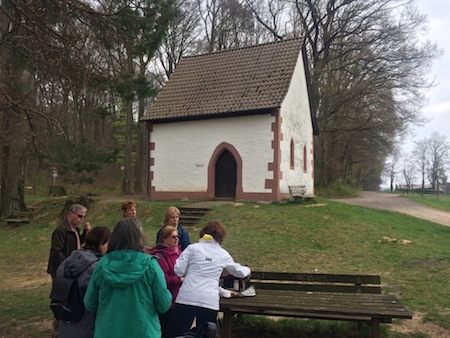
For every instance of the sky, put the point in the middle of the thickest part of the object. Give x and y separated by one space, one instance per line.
438 106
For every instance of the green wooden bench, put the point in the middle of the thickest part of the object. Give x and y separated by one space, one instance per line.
320 296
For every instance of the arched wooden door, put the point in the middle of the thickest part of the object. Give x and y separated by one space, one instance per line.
225 174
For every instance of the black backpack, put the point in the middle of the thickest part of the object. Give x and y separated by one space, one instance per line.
66 299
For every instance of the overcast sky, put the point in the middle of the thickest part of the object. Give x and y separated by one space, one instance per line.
438 107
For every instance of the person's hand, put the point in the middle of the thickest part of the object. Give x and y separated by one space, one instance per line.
87 226
234 293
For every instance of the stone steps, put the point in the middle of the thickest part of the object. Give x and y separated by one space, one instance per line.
190 216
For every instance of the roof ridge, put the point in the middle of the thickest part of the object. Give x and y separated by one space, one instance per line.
247 79
243 47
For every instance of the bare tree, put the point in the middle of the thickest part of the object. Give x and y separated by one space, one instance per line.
22 123
138 31
56 93
408 174
226 24
368 68
391 167
182 36
272 15
438 159
420 154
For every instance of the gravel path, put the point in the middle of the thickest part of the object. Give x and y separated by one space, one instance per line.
394 202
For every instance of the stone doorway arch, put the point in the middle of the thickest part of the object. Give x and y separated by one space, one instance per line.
225 173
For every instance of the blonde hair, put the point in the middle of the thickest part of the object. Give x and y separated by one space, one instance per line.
170 212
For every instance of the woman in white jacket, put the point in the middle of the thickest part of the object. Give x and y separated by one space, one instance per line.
201 264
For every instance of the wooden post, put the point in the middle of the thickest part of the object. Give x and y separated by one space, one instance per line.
226 333
376 328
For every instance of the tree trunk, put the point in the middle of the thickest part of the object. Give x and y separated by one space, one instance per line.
140 152
140 145
126 183
20 198
10 181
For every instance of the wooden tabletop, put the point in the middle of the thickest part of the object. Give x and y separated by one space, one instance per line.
317 304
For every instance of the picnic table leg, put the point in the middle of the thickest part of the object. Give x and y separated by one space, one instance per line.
376 328
226 333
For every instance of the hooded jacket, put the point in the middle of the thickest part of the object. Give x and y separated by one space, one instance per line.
127 291
80 263
167 258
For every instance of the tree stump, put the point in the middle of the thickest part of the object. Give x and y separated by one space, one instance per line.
57 190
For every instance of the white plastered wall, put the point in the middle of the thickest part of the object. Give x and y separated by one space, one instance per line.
296 124
183 151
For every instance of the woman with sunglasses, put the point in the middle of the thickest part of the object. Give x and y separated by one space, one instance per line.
168 250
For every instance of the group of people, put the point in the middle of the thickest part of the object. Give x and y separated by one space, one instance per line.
133 289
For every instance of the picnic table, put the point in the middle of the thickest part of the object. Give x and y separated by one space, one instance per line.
373 308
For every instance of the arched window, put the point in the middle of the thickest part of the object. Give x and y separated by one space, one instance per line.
305 159
292 157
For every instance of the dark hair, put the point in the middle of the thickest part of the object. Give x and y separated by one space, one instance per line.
127 205
127 235
96 237
215 229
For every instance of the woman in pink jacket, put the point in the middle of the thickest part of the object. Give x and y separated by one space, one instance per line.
168 251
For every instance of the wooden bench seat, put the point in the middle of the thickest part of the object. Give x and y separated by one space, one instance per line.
319 282
319 296
299 192
20 217
16 221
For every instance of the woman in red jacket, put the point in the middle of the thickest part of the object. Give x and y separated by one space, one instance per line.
168 251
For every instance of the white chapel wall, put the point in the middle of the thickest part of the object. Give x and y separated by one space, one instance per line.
296 124
183 151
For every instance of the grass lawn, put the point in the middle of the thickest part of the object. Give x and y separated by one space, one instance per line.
412 256
441 202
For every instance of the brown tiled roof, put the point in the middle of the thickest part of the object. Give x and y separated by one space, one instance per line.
238 80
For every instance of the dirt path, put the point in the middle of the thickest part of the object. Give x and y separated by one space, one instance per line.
394 202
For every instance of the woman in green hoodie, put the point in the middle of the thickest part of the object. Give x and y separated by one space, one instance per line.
128 289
